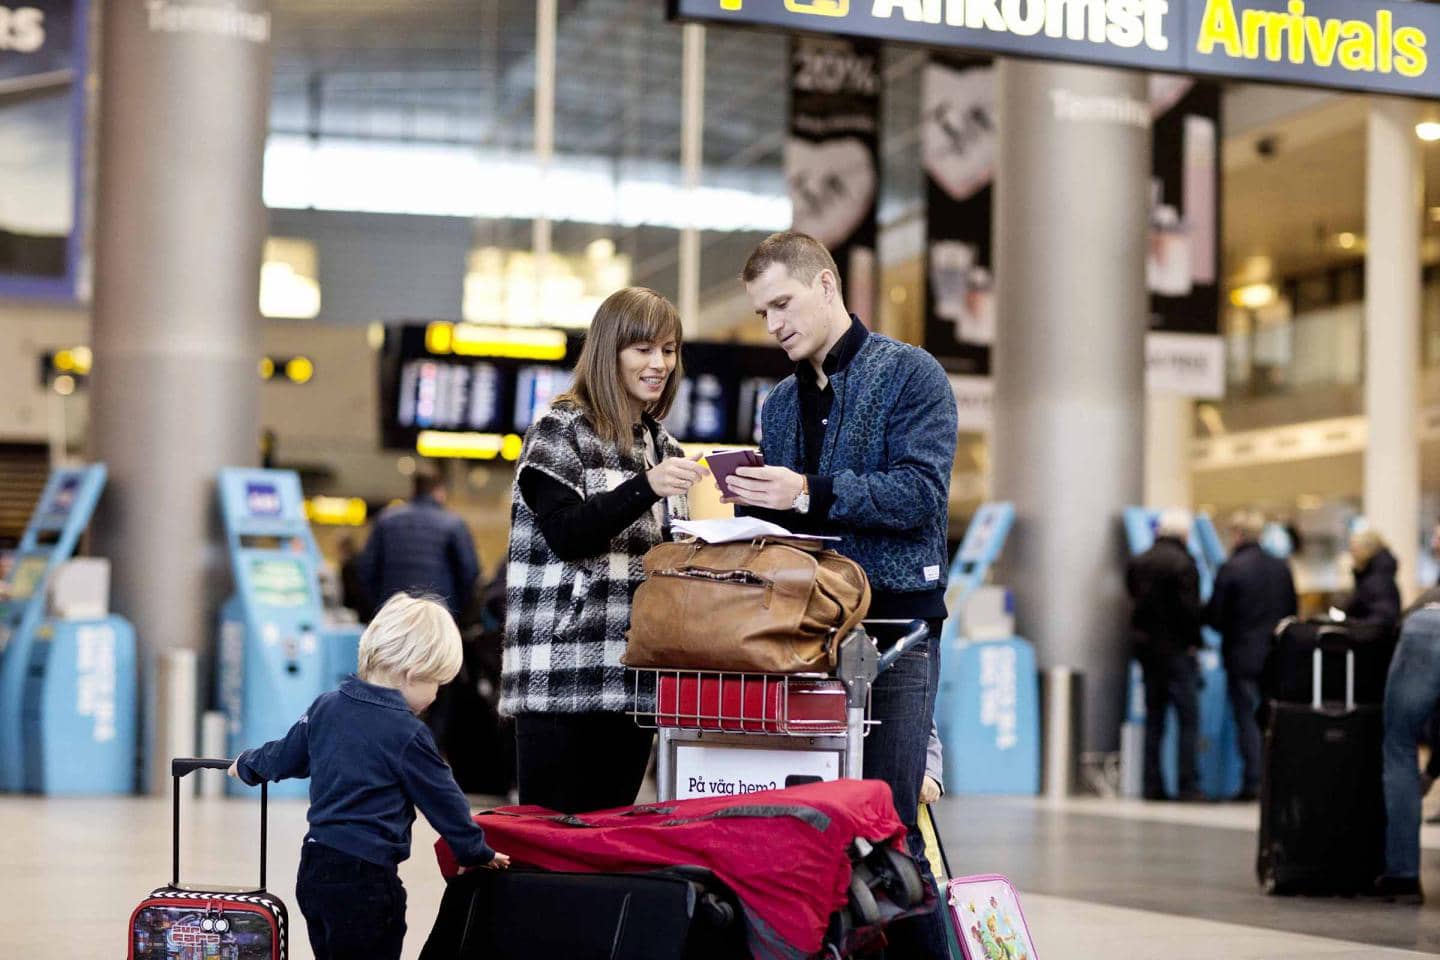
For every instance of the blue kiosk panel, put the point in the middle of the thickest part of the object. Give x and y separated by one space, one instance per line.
80 709
67 688
1218 753
987 709
276 652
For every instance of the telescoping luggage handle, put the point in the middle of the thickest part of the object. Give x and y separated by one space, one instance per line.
181 767
1335 641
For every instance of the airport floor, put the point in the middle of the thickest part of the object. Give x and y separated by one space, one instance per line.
1100 879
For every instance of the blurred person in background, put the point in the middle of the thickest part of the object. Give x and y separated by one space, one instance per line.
1254 591
1164 586
1376 598
352 587
421 548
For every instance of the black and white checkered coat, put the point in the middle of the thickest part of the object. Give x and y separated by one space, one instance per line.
565 621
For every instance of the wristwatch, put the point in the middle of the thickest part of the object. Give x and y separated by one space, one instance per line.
802 499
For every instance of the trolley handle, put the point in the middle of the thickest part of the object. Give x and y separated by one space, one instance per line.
181 767
918 632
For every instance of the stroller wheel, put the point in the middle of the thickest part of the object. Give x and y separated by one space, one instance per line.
863 906
902 879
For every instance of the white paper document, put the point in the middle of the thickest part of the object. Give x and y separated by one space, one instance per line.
731 530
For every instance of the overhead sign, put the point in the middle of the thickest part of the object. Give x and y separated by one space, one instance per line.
42 122
1364 45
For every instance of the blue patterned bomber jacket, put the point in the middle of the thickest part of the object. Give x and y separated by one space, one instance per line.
889 449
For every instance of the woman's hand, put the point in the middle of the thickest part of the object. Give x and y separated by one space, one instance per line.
674 475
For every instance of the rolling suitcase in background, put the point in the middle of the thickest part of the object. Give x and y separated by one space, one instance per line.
231 923
1287 675
675 914
1322 801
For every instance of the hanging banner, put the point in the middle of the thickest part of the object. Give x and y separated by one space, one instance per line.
832 158
42 123
957 146
1183 263
1369 46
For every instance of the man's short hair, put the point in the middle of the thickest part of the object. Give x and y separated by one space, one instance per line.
411 637
1174 523
801 254
1249 524
425 482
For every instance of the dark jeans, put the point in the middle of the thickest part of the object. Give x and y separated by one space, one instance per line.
577 762
354 909
1171 679
903 701
1244 694
1411 691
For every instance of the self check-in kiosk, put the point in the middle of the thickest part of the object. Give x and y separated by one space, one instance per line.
1220 767
277 652
987 710
68 669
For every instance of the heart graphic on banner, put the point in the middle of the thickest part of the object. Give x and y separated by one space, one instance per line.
831 186
960 132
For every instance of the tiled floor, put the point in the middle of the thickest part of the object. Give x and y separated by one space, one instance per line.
1101 880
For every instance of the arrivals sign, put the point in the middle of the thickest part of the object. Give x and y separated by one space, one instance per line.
1364 45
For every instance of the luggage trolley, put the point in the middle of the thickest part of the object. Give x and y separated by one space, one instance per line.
727 733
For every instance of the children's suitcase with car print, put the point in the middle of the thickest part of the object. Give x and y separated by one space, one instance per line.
178 922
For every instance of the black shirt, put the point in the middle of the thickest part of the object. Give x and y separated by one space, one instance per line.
816 403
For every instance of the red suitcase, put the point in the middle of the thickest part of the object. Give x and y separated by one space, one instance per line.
177 922
750 703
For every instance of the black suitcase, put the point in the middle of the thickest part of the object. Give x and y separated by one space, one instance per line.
1287 675
675 914
244 923
1322 802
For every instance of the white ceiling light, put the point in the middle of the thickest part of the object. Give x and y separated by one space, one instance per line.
1253 296
1428 130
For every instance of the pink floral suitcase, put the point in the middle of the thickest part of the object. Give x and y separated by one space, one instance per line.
986 918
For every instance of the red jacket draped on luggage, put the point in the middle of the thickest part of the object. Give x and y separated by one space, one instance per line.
785 853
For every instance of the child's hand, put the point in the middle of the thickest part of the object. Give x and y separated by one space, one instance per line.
501 862
234 770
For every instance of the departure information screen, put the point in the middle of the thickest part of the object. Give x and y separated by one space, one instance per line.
718 401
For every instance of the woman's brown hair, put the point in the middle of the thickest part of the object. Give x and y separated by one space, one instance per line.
626 317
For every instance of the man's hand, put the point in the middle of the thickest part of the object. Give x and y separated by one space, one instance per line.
929 790
774 488
674 475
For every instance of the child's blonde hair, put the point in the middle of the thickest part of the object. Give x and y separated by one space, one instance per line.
411 637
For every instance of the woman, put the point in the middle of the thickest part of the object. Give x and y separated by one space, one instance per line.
597 483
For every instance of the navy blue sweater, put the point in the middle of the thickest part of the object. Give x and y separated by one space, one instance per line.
371 762
420 548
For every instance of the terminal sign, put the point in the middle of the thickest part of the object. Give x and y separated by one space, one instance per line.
1364 45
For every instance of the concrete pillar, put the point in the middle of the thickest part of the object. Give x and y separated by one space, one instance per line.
1071 225
1394 200
1169 430
180 226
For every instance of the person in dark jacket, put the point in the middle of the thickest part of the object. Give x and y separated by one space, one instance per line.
421 548
858 444
1164 585
1377 597
371 762
1254 591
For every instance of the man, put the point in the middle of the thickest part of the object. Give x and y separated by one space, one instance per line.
859 444
1253 592
421 548
1164 584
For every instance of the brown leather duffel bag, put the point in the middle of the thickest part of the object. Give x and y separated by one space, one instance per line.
767 606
